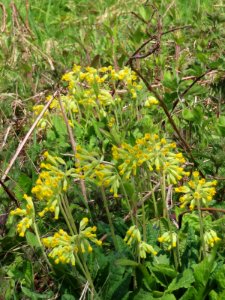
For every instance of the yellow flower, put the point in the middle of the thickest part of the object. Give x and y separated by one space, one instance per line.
197 190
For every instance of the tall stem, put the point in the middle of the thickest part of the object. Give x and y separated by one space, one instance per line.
40 244
154 201
144 223
201 229
109 218
163 192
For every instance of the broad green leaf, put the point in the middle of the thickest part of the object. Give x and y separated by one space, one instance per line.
183 280
165 270
32 239
126 262
34 296
59 125
190 294
188 115
168 297
68 297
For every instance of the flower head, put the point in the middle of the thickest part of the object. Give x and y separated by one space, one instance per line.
196 190
28 215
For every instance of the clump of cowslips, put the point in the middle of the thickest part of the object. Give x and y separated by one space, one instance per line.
196 191
154 153
28 215
211 238
65 247
133 237
169 239
51 182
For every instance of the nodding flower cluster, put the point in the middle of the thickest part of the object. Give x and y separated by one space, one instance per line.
90 90
133 237
51 182
169 239
89 166
211 238
65 247
196 191
28 215
154 153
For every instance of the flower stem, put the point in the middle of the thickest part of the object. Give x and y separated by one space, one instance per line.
109 218
41 246
201 229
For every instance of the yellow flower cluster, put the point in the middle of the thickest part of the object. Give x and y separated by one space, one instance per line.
90 166
153 152
211 238
65 247
151 101
37 109
133 236
197 190
28 215
169 239
50 183
89 89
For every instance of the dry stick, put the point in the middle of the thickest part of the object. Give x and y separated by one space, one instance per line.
210 209
73 144
142 201
139 204
4 16
154 37
21 145
185 145
189 87
10 194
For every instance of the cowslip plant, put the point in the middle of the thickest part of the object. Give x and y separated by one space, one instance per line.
65 248
110 170
133 238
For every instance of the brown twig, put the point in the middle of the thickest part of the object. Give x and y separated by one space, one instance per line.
141 202
23 142
4 16
210 209
9 193
188 88
73 144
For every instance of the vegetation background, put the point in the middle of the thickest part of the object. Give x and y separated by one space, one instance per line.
177 47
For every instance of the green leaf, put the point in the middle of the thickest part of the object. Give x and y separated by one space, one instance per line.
68 297
183 280
221 125
168 297
190 294
34 296
188 115
59 125
126 262
143 295
165 270
23 186
32 239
